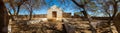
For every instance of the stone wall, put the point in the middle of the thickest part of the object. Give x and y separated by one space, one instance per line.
76 16
66 15
26 17
40 16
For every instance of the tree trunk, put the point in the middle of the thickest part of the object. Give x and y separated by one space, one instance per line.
116 21
106 11
89 20
18 10
30 15
3 18
13 7
85 15
31 11
11 16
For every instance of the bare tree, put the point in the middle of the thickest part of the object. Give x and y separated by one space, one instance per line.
13 5
115 6
82 5
16 5
114 3
33 5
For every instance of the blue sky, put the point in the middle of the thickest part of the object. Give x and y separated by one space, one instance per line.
68 7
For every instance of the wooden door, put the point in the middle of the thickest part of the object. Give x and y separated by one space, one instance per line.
54 14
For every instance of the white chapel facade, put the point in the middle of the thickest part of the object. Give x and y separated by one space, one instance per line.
55 13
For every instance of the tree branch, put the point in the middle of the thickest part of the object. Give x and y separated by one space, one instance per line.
78 4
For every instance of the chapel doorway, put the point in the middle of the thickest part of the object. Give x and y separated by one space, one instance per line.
54 14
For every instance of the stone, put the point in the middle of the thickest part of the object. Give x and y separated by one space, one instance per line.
54 13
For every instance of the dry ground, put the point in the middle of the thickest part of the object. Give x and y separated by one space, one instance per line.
71 26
